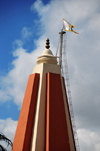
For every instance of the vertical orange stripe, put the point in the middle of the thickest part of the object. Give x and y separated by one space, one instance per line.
22 140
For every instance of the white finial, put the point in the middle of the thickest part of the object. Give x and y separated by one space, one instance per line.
47 56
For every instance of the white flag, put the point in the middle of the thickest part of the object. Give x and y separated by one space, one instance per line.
68 27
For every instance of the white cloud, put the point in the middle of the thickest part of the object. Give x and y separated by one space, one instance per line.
26 32
89 140
83 58
95 22
15 82
8 127
17 43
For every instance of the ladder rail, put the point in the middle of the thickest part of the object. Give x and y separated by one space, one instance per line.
67 85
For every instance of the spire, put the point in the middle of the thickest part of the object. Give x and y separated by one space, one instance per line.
47 55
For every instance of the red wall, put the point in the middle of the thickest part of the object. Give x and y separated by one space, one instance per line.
56 127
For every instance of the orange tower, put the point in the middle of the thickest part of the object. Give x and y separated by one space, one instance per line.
45 123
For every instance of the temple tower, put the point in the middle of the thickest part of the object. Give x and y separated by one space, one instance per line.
45 123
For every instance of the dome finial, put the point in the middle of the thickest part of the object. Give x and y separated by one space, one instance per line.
47 46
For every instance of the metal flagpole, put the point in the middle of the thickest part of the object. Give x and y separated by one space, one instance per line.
61 46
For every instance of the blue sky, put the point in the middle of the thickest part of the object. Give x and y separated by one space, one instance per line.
14 15
24 27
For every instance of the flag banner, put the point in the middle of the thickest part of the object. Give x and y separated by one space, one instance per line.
68 27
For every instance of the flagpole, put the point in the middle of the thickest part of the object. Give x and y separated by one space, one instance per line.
61 46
